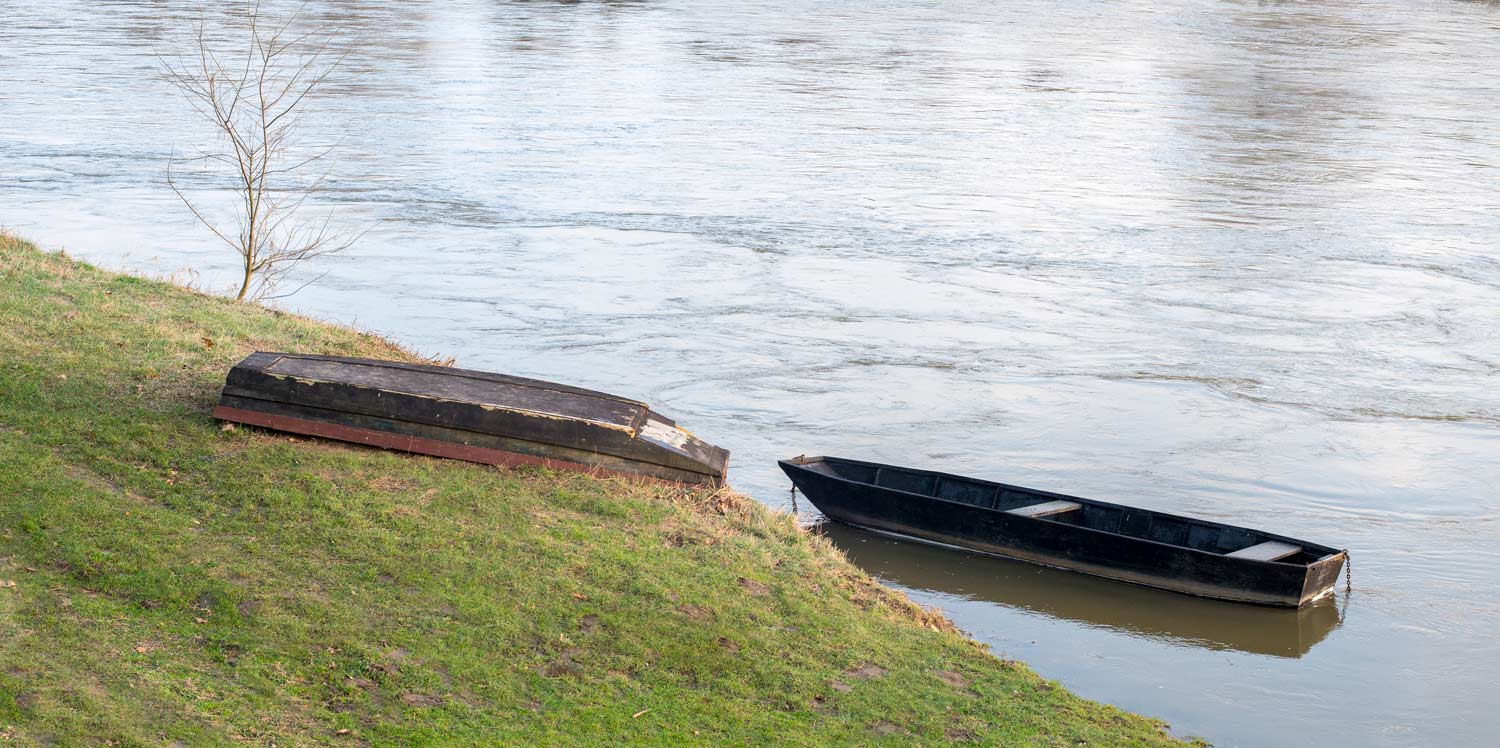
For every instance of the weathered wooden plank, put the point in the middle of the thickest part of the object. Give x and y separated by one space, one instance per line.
461 385
1045 509
453 450
264 360
1271 550
232 407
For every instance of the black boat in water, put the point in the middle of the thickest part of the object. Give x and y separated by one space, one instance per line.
1193 556
467 415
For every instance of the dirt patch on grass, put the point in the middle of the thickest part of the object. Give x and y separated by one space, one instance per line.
566 664
678 537
695 612
754 588
422 700
391 484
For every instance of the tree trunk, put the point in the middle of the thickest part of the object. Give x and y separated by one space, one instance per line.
244 286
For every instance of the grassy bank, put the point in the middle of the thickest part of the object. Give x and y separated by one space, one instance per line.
165 580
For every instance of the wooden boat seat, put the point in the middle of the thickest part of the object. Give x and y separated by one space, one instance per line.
1271 550
1045 509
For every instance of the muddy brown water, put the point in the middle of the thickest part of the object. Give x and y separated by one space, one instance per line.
1230 259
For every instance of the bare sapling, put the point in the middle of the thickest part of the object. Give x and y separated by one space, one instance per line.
255 92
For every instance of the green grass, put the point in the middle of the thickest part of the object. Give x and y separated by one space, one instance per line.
165 580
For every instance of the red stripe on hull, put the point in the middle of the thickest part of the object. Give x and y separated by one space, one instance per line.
421 445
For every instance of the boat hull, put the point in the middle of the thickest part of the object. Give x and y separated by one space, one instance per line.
1064 546
474 416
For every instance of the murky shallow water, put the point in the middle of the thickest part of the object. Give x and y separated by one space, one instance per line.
1229 259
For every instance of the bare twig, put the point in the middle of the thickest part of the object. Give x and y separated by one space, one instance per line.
255 98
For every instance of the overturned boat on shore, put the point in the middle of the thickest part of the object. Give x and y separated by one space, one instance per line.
468 415
1129 544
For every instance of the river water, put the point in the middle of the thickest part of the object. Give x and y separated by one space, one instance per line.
1223 258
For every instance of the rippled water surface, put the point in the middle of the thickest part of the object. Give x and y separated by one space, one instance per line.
1226 258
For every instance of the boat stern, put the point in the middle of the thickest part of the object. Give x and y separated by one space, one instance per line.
684 449
1321 576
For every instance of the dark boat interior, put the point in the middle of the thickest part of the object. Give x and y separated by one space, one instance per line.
1133 522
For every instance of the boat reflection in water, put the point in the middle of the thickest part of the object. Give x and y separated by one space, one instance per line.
1137 611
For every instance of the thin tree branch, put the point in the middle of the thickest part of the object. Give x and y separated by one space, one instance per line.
255 99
